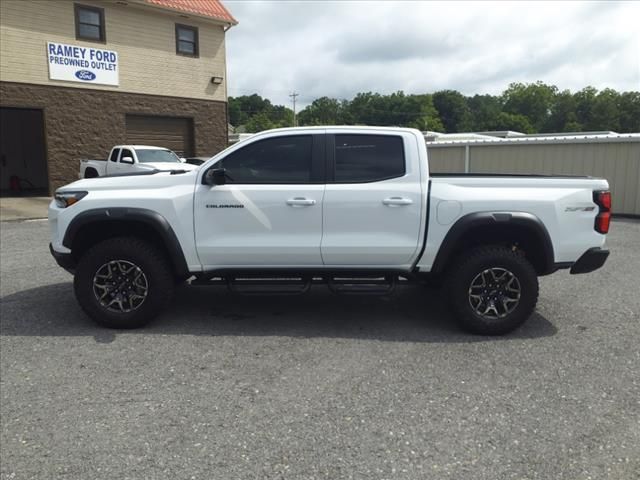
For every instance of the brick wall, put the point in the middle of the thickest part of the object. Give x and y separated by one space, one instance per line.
87 123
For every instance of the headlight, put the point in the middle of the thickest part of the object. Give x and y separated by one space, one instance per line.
66 199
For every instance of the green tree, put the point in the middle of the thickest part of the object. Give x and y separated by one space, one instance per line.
630 112
584 100
453 110
241 109
259 122
562 117
512 121
485 110
281 116
429 118
533 100
322 111
605 113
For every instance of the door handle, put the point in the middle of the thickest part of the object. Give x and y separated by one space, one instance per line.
301 202
397 201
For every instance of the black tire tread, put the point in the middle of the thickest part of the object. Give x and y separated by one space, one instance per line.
156 268
457 283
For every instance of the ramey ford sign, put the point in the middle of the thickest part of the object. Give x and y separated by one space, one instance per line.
73 63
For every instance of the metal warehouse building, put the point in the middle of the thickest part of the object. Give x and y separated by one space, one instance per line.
77 78
609 155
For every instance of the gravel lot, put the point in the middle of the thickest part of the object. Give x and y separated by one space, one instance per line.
318 386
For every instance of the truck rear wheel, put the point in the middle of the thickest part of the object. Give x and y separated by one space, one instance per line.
123 282
492 290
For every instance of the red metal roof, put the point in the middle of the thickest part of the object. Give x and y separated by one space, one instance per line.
206 8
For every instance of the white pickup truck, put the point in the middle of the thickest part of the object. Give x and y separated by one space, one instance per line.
128 159
353 207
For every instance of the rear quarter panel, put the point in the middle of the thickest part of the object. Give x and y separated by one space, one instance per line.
564 205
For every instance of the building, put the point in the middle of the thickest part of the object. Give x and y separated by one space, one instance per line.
77 77
609 155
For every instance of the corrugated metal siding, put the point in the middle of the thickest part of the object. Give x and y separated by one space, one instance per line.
619 163
446 159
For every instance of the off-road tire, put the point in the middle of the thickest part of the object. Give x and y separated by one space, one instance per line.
468 267
142 254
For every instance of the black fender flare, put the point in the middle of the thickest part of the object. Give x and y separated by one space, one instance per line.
478 219
153 219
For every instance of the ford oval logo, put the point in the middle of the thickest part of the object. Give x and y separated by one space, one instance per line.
85 75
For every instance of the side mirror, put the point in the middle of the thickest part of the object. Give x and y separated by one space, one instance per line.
128 160
215 176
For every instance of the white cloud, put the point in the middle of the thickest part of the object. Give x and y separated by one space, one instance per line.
340 48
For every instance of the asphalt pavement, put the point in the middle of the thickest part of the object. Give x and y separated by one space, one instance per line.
318 386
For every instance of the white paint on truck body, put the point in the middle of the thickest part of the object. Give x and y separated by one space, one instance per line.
363 225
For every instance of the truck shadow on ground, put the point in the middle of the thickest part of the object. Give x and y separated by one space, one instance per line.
412 314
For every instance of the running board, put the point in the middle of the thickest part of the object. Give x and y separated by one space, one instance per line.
362 285
292 283
268 286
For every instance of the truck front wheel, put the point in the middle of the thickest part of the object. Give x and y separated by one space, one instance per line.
123 282
492 290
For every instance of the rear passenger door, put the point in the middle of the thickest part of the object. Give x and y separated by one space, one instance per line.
372 201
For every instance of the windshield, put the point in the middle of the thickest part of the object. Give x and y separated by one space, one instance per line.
159 155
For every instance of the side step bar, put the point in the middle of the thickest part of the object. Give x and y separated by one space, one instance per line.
268 286
295 284
362 285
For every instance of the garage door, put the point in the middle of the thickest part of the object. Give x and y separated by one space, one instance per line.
23 163
169 132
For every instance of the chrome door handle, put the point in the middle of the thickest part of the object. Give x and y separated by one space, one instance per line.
301 202
397 201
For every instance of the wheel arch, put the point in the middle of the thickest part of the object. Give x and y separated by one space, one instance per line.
92 226
484 228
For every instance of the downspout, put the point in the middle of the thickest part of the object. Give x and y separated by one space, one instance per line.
466 159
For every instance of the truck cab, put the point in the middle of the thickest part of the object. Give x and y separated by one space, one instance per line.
127 159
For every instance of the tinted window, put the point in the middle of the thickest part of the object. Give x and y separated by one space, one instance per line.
274 160
114 155
368 158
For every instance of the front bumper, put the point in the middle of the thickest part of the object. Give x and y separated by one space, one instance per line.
590 260
65 260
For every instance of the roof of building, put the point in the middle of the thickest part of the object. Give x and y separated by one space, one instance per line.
576 137
205 8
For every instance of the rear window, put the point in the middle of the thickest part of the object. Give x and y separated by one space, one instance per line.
368 158
114 155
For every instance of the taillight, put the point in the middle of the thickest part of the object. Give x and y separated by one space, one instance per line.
603 200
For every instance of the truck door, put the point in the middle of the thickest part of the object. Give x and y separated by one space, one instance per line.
127 161
112 163
269 213
372 203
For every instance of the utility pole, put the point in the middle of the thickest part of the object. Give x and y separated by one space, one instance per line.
293 96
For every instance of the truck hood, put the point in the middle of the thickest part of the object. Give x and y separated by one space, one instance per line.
137 180
166 166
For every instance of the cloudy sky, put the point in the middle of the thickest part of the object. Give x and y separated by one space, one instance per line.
339 48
